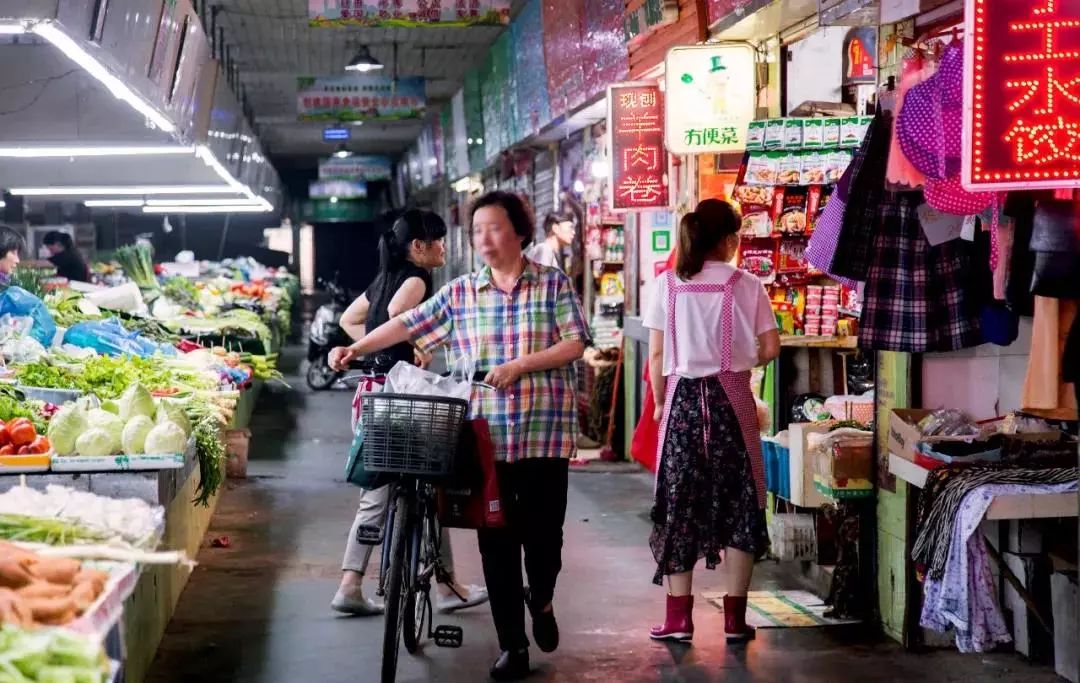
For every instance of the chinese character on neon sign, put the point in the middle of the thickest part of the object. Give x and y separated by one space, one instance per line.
1022 126
639 160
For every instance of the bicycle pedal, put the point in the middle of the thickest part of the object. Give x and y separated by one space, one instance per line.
448 636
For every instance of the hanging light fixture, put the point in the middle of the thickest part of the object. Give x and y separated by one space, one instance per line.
363 62
342 152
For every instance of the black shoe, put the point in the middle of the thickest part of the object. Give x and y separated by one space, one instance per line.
512 665
545 628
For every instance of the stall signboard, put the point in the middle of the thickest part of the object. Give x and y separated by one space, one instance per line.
408 13
356 167
360 97
1021 95
648 17
639 168
860 56
335 134
340 189
711 98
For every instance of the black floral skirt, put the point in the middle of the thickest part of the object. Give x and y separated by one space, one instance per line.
706 499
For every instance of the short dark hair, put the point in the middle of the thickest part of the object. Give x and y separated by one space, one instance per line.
553 219
10 240
516 208
57 237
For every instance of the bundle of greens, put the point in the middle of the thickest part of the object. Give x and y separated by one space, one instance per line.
50 656
108 376
138 263
30 279
182 291
70 308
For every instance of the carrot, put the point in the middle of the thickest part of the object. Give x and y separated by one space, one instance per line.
43 589
84 595
14 610
95 576
49 610
57 569
14 573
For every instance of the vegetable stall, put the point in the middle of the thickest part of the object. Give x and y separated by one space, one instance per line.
119 403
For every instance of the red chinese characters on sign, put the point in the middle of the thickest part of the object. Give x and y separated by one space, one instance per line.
1022 126
638 158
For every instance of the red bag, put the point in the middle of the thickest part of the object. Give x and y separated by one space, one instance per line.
471 500
647 432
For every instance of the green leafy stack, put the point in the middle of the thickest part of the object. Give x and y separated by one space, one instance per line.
138 263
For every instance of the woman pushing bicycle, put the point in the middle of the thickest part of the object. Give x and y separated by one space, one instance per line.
408 252
523 323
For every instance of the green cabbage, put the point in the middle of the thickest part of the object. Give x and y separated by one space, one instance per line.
110 424
111 406
94 441
136 400
65 427
171 411
166 438
134 436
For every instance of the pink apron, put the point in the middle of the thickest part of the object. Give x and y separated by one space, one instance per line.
736 384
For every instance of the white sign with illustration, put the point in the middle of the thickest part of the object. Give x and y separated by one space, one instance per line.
710 98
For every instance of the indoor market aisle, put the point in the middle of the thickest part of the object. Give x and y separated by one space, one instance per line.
258 610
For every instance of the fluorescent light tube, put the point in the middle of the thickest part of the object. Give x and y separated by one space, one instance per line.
118 88
52 152
121 190
108 203
249 208
180 201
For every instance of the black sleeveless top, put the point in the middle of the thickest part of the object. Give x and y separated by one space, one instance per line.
381 293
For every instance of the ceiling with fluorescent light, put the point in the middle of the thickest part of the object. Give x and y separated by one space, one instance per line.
272 44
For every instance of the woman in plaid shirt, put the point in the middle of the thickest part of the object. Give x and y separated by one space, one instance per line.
523 323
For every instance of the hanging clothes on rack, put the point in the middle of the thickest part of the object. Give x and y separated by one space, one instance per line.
1047 392
901 174
917 296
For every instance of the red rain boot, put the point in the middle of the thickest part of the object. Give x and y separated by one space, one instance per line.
679 625
735 620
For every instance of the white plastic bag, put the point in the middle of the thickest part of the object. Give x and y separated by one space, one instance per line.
406 378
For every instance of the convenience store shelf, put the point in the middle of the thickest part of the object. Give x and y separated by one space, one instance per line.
799 341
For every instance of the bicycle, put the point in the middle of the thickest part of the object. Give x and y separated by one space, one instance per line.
416 438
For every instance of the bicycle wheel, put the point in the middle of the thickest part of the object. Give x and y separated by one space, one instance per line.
418 606
396 588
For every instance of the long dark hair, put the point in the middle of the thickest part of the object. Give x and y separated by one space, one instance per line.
395 243
700 232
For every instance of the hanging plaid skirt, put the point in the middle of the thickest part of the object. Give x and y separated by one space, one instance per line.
706 497
917 297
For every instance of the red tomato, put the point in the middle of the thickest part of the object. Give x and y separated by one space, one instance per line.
40 445
22 432
7 450
5 438
23 450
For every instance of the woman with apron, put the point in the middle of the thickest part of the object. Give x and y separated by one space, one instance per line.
710 324
408 252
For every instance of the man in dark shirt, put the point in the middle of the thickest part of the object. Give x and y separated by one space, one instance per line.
66 257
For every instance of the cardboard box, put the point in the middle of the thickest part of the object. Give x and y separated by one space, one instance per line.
904 434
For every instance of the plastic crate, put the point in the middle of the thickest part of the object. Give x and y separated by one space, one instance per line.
411 434
793 537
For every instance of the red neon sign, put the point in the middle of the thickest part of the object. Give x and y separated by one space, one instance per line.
1022 95
638 158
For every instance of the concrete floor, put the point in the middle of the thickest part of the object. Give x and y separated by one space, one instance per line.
258 610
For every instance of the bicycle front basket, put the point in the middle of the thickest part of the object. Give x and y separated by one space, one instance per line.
411 434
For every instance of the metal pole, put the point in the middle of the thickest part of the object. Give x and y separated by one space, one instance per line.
224 236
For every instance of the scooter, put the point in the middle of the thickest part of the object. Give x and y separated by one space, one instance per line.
324 334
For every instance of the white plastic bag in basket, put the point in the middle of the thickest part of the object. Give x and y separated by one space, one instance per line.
406 378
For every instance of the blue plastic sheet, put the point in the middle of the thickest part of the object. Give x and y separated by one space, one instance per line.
20 303
111 338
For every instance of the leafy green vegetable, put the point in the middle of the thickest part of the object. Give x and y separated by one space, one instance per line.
171 411
211 454
112 425
138 263
50 656
94 441
65 427
12 405
134 436
183 291
135 401
166 437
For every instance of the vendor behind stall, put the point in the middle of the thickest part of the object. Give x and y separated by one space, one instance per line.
66 257
11 243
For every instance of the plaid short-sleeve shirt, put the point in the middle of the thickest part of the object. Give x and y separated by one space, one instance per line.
537 416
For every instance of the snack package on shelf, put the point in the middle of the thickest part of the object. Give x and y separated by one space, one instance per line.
758 257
